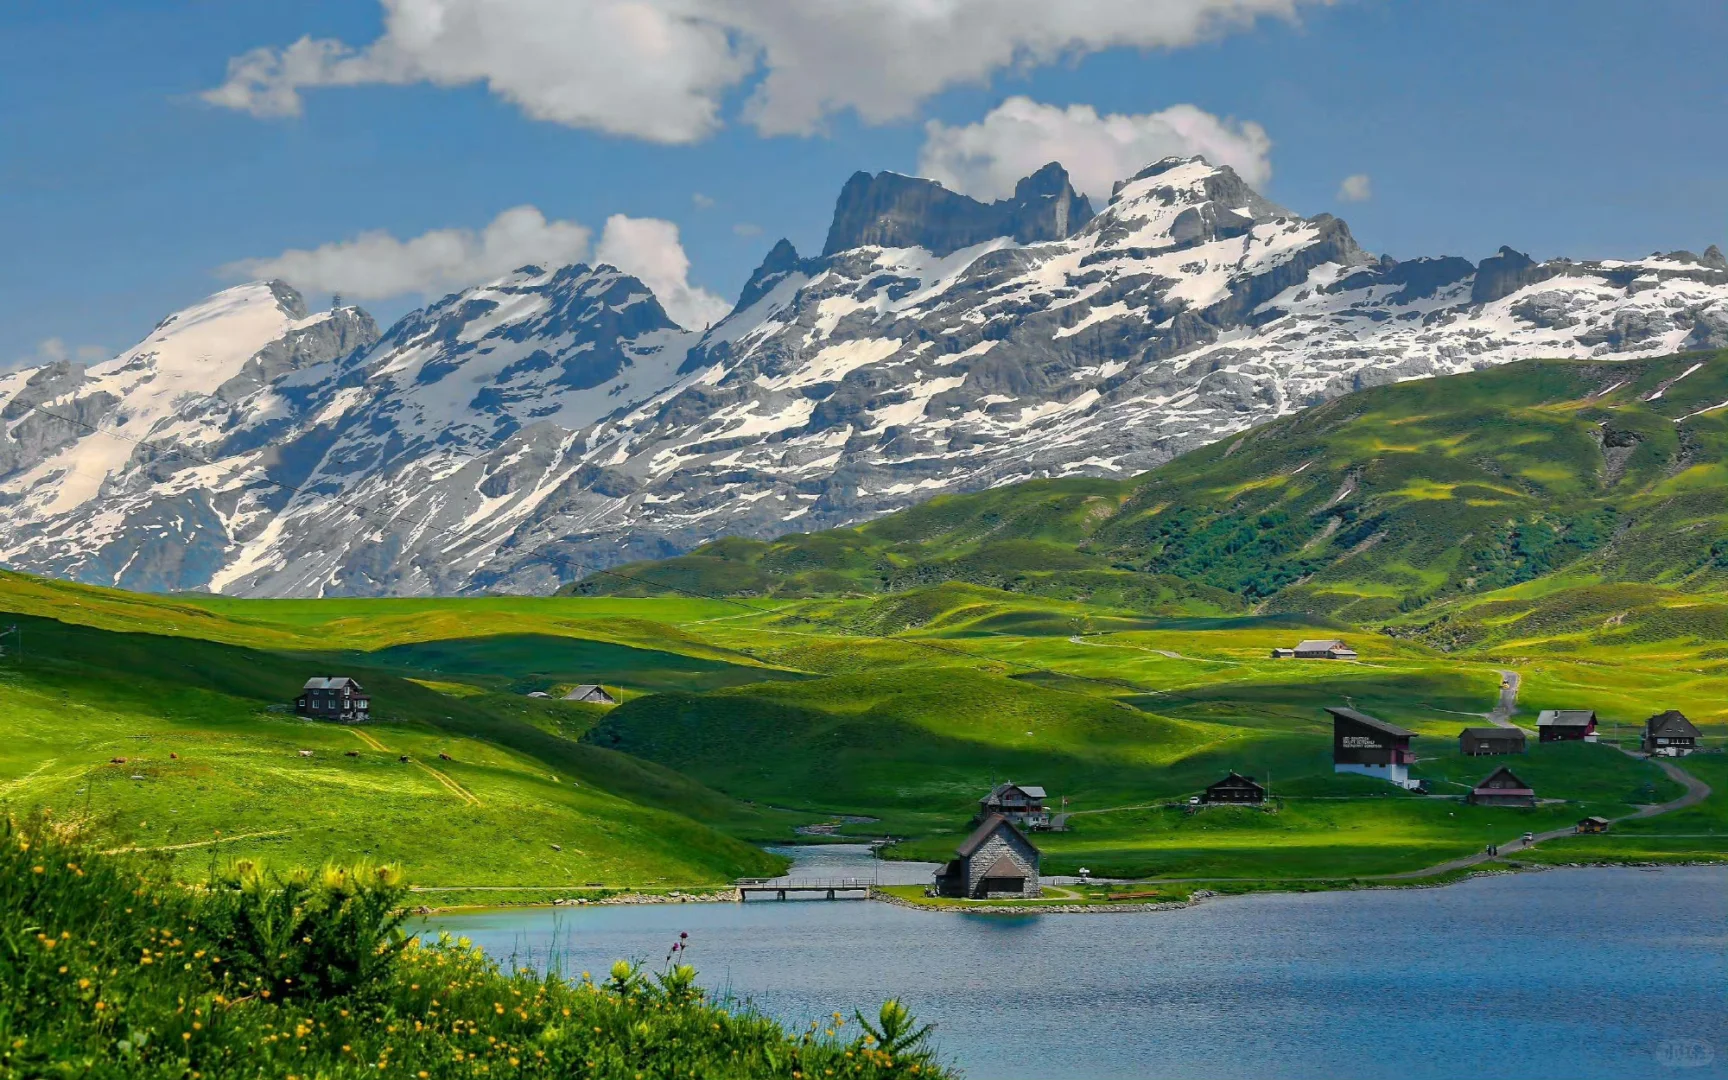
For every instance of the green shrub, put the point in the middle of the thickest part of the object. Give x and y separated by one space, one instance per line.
106 972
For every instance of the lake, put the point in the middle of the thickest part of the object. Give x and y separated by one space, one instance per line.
1568 974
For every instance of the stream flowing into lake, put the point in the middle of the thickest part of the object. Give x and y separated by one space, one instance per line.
1568 974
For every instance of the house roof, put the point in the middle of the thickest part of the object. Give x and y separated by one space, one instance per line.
986 829
1236 779
585 690
1494 733
1597 820
1004 867
1031 791
329 682
1521 787
1565 717
1670 723
1371 721
1320 645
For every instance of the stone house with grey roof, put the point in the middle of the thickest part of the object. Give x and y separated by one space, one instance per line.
996 862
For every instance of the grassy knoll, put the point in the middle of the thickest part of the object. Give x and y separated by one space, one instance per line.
110 971
189 718
914 748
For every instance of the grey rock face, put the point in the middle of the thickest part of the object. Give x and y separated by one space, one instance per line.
891 210
514 435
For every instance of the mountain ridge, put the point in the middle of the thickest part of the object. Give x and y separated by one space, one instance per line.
510 436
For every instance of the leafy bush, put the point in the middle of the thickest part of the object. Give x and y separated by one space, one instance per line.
105 972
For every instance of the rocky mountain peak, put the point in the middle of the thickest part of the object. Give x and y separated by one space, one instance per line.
288 298
896 211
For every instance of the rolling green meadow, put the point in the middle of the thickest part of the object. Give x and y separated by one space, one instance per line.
1109 640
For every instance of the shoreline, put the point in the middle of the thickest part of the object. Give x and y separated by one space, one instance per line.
727 895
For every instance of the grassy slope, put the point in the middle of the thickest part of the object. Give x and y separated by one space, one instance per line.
1106 639
1432 505
518 781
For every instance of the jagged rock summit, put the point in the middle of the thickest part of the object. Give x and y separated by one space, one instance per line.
513 435
892 210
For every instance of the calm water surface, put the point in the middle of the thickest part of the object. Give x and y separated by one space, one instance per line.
1569 974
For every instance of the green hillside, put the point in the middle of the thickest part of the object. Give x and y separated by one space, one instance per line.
166 742
1588 489
1565 521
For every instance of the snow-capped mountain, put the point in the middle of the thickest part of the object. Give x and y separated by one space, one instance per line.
514 434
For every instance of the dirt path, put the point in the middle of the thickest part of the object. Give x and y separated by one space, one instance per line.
198 843
1166 653
1502 714
443 779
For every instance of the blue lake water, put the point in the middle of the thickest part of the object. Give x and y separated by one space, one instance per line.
1567 974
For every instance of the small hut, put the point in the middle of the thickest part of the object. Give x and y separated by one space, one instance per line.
995 862
1566 725
1670 734
1235 788
1502 788
1324 649
593 693
1023 804
1490 741
1593 825
1370 746
334 697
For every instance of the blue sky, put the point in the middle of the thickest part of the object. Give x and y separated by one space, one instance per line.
1581 128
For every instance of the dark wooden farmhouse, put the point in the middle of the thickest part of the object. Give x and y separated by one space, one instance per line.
1023 804
1235 788
1670 734
592 692
1370 746
995 862
1322 649
1593 825
334 697
1502 788
1566 725
1490 741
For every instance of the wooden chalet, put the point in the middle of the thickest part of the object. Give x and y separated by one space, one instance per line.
1023 804
1235 788
591 692
1321 649
1490 741
1593 825
1670 734
1370 746
1502 788
995 862
1566 725
334 697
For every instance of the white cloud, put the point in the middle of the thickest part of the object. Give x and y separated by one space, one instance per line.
701 201
746 228
660 69
1021 135
376 265
54 349
648 248
1357 187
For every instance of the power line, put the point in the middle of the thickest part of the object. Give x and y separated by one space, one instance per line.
364 511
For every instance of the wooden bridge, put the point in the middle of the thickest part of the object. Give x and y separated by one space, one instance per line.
806 888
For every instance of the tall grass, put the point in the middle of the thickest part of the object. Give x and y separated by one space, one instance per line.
106 971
